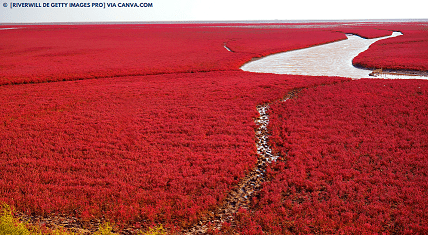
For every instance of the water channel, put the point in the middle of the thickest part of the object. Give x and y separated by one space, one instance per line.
332 59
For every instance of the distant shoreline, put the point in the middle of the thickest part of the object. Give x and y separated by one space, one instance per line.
227 22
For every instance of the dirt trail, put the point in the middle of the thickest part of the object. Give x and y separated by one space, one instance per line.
70 223
239 197
250 185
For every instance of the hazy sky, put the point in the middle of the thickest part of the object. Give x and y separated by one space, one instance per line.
218 10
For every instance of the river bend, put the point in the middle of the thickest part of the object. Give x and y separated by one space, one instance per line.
332 59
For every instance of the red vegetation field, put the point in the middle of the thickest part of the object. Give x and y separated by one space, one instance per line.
166 129
355 161
56 53
368 31
406 52
160 148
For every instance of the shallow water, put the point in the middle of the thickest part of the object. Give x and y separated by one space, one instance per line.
332 59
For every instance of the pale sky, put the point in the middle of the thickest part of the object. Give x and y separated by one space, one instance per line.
218 10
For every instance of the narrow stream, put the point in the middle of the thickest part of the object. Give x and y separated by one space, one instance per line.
332 59
240 196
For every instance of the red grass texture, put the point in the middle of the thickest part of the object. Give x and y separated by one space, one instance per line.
151 149
355 161
60 52
366 31
166 129
406 52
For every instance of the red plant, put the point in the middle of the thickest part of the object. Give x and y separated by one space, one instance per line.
366 30
406 52
150 149
58 52
166 129
355 160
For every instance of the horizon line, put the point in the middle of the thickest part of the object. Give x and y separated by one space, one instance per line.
220 21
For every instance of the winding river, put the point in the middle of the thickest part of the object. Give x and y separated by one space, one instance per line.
332 59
